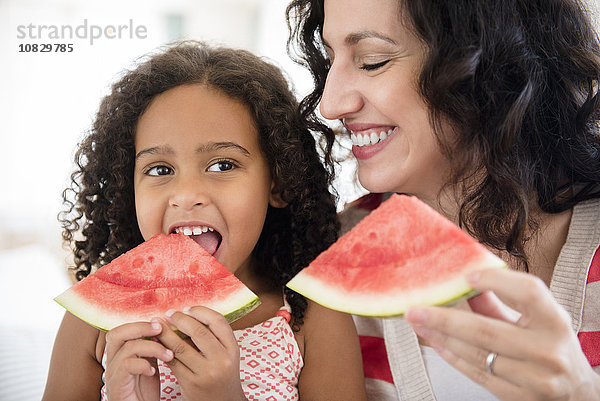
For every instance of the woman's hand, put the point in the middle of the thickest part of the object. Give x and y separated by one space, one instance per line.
131 362
538 354
208 368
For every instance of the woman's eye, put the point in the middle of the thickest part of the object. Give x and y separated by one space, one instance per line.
222 166
373 67
159 170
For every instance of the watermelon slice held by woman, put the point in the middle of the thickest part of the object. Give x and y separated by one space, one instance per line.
403 253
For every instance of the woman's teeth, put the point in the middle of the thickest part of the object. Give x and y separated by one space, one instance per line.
368 139
196 230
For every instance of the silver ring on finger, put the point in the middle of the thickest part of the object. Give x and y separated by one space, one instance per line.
489 362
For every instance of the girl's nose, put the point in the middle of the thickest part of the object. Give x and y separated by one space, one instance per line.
188 194
341 96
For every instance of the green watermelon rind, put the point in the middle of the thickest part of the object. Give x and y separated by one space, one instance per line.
234 307
448 292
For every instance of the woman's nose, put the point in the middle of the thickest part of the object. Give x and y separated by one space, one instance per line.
187 194
341 96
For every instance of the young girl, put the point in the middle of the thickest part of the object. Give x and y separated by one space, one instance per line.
200 138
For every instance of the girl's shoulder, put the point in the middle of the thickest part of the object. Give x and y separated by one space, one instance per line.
75 371
89 338
332 357
320 321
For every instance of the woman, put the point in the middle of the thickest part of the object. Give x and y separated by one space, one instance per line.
489 112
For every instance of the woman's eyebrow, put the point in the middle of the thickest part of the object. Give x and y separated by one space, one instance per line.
212 146
354 37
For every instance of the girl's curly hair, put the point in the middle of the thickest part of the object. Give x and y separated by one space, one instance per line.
100 220
519 81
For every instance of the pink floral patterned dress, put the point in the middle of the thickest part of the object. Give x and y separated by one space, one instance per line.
270 362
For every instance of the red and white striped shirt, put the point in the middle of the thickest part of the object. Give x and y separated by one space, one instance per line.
393 363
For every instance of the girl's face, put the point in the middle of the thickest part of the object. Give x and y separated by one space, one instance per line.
199 170
372 87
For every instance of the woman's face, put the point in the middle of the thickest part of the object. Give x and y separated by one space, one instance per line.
372 88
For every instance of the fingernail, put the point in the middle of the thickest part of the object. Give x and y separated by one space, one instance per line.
186 309
473 277
170 312
155 324
169 354
416 315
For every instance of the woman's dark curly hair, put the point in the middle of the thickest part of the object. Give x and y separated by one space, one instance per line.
100 220
518 80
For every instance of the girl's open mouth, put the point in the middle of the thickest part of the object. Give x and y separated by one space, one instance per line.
207 237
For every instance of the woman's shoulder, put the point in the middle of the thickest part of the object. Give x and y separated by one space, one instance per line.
357 210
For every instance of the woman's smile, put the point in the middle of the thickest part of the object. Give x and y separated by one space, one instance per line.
367 143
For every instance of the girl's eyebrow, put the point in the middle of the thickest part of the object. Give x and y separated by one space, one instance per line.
212 146
154 150
205 148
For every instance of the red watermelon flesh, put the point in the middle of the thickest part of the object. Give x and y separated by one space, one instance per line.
165 272
403 253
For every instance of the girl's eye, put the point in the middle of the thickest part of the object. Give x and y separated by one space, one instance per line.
221 166
373 67
159 170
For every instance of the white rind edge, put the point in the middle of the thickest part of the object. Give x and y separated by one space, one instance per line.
386 305
237 305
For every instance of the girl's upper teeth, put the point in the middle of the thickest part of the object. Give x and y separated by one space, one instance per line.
193 230
367 139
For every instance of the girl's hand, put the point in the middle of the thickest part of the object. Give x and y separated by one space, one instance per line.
538 354
211 369
131 362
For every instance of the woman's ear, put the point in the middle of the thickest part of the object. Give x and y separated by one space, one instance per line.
275 199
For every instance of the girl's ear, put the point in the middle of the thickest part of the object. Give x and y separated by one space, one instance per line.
275 197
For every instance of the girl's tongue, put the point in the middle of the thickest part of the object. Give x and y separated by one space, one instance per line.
209 240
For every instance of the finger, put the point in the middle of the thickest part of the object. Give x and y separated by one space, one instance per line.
488 304
520 373
201 335
483 332
121 377
524 292
138 366
140 349
116 337
186 358
216 323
